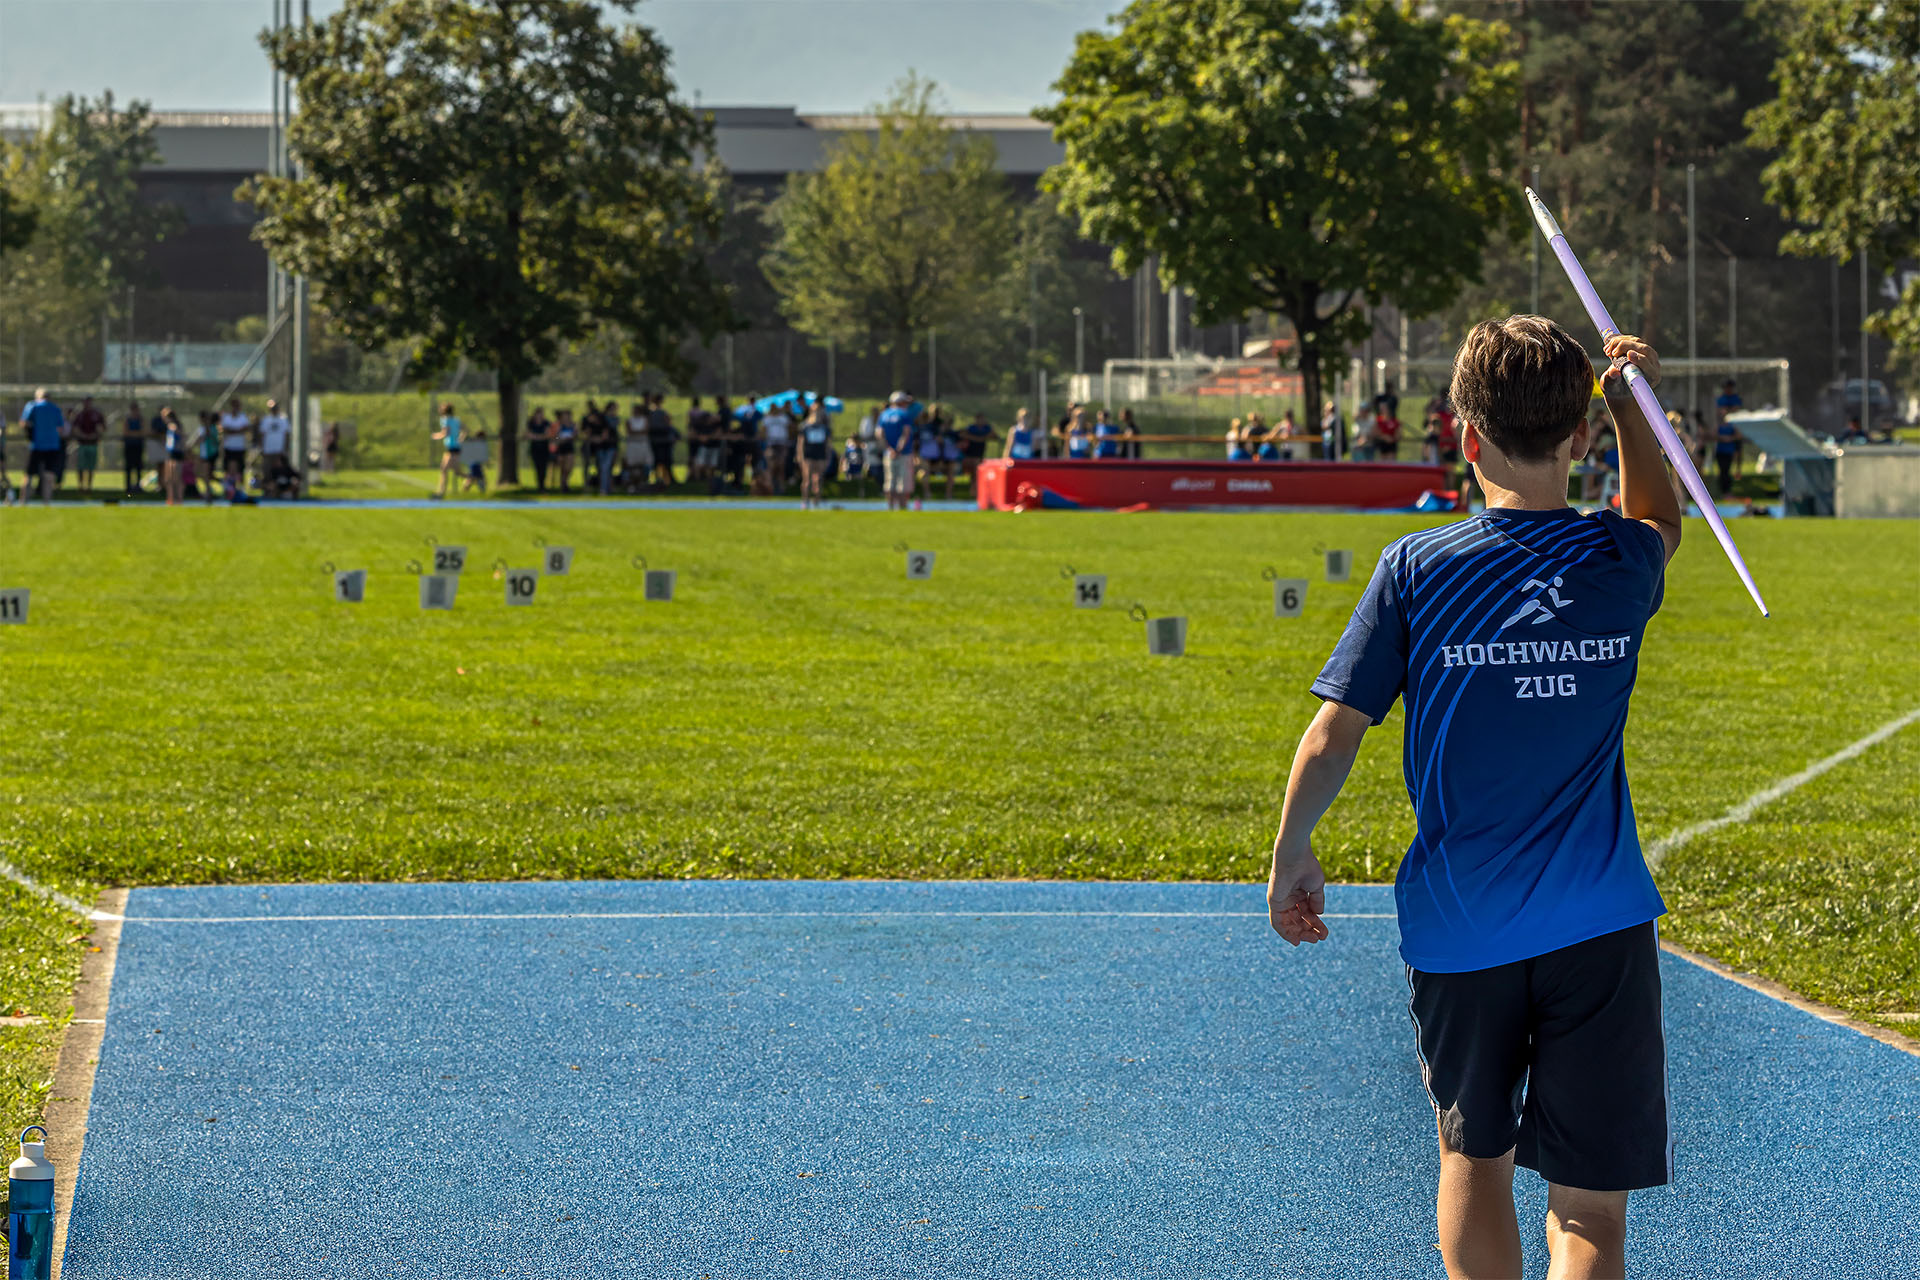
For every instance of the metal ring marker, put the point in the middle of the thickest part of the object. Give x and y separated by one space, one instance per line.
539 541
900 547
432 541
1067 571
326 566
639 561
413 567
1138 612
1268 574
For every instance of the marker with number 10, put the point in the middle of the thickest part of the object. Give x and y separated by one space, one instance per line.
1676 452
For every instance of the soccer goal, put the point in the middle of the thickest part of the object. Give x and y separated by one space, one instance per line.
1684 384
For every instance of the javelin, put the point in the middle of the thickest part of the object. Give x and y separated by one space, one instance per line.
1670 444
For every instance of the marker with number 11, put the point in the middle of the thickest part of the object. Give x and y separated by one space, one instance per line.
1676 452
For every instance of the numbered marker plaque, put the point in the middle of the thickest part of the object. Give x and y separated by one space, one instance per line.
350 586
1339 566
1289 597
1166 637
13 605
1089 590
559 560
659 587
436 590
449 560
919 565
521 584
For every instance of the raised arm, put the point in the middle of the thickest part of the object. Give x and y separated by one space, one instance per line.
1645 494
1296 889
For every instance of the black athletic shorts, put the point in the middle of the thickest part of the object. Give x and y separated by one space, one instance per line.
1561 1058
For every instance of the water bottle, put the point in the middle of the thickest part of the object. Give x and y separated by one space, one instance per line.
30 1222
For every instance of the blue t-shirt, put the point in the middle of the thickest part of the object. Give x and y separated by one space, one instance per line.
1515 639
451 425
44 420
896 425
1020 443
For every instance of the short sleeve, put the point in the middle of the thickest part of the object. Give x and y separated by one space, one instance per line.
1645 549
1368 668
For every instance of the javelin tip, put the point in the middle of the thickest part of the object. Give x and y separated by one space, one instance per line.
1542 216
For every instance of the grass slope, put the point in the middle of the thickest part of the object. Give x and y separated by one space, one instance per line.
188 705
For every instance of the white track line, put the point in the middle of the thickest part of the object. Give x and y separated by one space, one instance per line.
741 915
52 895
1759 799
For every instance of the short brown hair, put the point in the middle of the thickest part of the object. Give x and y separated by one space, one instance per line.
1523 383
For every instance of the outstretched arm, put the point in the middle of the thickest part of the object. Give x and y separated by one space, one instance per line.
1296 890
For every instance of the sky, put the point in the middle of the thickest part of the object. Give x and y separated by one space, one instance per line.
823 56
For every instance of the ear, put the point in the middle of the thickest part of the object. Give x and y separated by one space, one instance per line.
1469 441
1582 439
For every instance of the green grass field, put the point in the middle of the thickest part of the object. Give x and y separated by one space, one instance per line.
187 705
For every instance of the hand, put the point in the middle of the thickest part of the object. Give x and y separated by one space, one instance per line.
1620 350
1296 897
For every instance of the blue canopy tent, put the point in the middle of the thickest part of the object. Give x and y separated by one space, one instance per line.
790 399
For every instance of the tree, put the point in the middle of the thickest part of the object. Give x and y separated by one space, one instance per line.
1292 155
74 229
1846 123
17 222
906 229
494 179
1617 97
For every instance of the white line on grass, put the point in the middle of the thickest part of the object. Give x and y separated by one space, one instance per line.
52 895
1752 804
401 475
739 915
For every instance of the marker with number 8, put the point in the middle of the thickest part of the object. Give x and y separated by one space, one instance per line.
1670 444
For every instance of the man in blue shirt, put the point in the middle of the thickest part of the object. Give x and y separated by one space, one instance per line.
1526 910
896 428
47 441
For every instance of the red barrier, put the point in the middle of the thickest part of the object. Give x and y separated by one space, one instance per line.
1006 484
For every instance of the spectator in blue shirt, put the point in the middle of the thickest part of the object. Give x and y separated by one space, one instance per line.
897 432
1728 400
46 443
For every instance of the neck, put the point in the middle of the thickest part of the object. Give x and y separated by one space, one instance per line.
1525 488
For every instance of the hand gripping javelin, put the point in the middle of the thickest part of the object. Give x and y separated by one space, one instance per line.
1670 445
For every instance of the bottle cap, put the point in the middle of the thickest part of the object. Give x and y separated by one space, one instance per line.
33 1165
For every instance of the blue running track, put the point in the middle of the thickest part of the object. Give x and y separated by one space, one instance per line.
835 1080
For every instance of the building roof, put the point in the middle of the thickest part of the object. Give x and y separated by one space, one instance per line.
752 141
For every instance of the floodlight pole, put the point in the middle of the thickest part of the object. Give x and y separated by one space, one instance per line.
1535 248
273 166
302 371
1079 341
1866 389
1693 309
1733 310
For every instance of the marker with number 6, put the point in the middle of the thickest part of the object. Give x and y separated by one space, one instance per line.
30 1210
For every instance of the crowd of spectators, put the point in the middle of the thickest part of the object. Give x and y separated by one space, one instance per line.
768 447
771 446
229 454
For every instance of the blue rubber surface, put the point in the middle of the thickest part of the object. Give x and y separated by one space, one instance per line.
824 1080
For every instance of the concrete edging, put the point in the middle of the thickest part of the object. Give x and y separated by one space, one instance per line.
1786 995
72 1093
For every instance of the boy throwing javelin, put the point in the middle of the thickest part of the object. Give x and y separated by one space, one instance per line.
1526 910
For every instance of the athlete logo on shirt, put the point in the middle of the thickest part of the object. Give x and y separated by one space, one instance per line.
1534 605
